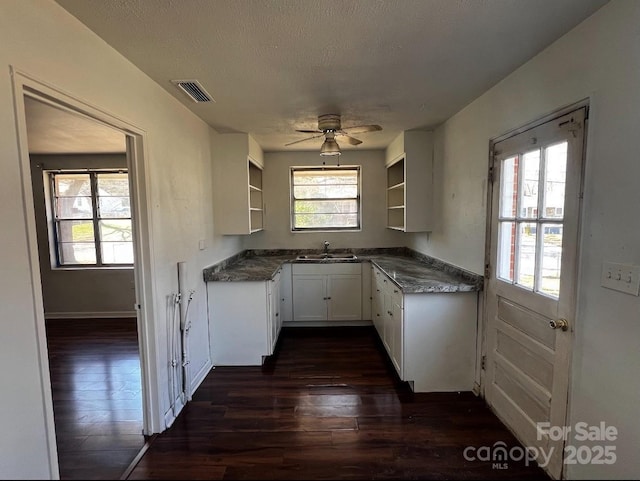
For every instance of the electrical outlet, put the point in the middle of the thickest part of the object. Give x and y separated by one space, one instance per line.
621 277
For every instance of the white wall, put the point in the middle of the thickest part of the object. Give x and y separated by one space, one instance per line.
41 39
599 59
277 233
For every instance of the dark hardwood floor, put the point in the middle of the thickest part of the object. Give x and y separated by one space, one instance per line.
327 405
97 404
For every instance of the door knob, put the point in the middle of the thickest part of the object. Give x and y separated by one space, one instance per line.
559 324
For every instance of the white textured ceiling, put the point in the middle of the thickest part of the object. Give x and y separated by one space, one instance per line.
273 66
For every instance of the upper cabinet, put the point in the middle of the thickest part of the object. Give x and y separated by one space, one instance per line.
409 161
237 169
256 207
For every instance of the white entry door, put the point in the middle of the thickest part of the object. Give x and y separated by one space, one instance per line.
535 211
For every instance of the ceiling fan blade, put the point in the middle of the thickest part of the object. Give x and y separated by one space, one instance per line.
361 129
350 140
310 131
302 140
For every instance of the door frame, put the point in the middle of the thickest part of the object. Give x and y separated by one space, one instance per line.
584 103
27 85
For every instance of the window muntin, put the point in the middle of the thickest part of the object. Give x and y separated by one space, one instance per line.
325 198
92 218
531 219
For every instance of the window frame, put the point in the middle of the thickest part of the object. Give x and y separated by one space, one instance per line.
358 198
54 221
538 217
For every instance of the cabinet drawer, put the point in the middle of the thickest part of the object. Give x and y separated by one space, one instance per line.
333 268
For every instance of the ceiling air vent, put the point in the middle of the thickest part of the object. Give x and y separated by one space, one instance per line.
194 90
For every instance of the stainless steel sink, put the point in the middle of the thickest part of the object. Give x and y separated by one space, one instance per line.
327 257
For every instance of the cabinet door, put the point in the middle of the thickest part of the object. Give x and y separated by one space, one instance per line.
396 341
309 298
387 324
377 306
344 293
286 310
274 311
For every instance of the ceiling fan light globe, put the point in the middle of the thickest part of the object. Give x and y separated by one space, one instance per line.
330 147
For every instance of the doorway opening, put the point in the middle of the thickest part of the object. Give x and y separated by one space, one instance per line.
533 226
84 197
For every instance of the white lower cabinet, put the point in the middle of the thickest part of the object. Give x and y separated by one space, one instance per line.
275 306
327 292
387 312
246 318
309 297
429 337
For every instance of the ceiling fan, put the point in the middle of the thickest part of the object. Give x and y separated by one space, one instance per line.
330 127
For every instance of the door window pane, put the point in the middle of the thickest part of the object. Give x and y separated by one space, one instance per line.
529 193
526 249
554 182
551 259
507 250
509 187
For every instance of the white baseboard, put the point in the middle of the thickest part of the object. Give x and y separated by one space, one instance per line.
169 416
200 375
90 315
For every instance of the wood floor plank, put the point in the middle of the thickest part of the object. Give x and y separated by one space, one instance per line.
97 396
327 405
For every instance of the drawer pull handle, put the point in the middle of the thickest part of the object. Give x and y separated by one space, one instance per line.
395 290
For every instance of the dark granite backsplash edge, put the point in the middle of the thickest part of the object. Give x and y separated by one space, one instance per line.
363 251
223 264
467 276
438 264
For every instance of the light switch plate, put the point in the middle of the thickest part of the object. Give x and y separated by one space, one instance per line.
621 277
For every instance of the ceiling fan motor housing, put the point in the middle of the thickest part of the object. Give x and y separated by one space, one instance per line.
329 122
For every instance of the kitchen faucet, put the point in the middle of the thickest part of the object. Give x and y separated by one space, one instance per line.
326 247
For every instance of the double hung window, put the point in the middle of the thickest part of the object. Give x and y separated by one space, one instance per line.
91 215
325 198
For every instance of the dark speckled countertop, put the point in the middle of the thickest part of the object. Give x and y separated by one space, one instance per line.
412 271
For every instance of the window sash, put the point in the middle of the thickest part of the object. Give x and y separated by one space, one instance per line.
304 180
528 236
97 221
